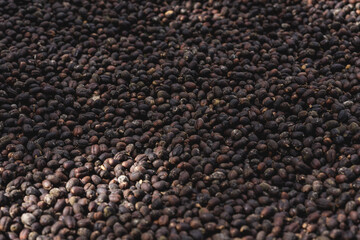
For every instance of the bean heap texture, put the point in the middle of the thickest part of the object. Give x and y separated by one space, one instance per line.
232 119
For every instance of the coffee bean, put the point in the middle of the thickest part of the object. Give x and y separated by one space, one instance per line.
5 223
28 219
160 185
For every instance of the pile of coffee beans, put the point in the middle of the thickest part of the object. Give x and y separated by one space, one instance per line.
151 119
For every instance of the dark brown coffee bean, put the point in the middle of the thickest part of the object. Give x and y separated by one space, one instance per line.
70 221
5 223
160 185
77 191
